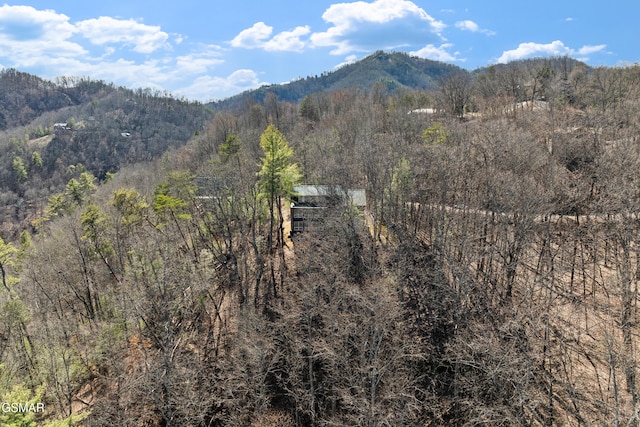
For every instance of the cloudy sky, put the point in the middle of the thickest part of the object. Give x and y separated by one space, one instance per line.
206 50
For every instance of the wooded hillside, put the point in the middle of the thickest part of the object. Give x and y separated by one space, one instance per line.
100 128
491 280
393 70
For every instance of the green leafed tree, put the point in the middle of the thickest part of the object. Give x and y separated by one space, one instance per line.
229 148
20 169
80 189
278 174
277 177
436 134
36 159
170 198
95 226
131 205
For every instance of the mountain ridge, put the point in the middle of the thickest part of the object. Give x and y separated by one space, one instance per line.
396 70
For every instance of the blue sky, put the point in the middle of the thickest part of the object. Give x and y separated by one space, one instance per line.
207 50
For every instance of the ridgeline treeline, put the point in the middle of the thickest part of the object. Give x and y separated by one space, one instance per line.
491 280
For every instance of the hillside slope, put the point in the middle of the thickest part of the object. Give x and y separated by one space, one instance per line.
106 127
394 69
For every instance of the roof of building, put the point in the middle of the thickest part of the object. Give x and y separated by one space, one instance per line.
357 196
312 190
423 111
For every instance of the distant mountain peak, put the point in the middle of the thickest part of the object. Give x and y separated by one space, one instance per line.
396 70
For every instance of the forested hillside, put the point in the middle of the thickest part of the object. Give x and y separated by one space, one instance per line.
100 128
391 70
491 280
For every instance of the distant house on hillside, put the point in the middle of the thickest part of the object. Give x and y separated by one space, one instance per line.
311 203
61 129
424 111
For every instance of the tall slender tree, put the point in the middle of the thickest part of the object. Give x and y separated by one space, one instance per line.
277 177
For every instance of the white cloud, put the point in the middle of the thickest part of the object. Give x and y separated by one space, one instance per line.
253 37
26 23
555 48
288 40
196 63
467 26
236 82
588 50
150 73
163 72
48 44
27 34
436 53
258 37
188 73
386 24
471 26
107 30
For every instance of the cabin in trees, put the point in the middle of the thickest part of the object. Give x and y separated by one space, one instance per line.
61 129
312 203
